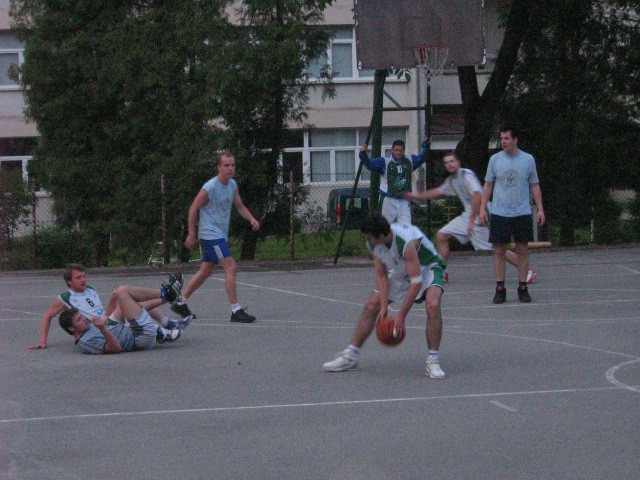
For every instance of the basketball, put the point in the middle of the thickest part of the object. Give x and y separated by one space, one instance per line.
385 333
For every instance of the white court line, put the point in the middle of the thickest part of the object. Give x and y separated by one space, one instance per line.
630 269
307 405
502 405
611 375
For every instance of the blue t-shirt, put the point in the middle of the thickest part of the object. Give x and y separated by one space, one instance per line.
511 177
92 341
216 215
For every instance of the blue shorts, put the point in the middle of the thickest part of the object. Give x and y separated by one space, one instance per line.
214 250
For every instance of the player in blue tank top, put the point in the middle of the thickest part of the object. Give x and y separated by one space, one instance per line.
211 211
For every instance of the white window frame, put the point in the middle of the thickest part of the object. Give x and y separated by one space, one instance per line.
20 52
356 74
306 151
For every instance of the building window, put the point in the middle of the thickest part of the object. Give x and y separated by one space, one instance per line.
340 56
332 156
11 53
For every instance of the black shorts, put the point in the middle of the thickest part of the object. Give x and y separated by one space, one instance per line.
502 228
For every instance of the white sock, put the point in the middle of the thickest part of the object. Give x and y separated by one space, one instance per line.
434 354
235 307
353 349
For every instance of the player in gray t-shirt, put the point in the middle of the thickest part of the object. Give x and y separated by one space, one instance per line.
466 228
102 336
512 178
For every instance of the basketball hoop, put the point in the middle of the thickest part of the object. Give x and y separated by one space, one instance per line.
431 60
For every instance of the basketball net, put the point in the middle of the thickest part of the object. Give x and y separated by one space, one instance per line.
431 60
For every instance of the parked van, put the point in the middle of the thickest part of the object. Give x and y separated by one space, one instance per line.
338 204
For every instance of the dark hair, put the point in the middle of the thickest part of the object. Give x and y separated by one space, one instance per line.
65 319
376 225
68 271
451 153
509 128
396 143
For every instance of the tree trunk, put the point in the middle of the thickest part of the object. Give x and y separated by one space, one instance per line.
480 110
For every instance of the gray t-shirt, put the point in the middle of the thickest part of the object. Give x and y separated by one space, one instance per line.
93 342
511 176
216 215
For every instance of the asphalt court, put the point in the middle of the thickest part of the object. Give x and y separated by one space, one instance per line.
544 390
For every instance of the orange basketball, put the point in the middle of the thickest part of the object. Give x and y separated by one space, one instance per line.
385 333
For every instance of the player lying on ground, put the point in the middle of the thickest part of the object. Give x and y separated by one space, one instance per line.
102 335
84 298
408 270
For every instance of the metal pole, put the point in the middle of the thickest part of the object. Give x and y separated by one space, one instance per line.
33 224
166 257
376 121
428 169
292 238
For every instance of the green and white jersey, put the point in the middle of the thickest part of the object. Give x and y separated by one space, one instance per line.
393 256
87 302
398 177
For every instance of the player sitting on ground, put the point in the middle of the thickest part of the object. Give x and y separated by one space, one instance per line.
103 336
466 227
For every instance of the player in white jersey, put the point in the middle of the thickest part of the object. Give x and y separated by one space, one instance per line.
466 227
408 270
85 299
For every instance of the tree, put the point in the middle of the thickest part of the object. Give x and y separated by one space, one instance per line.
571 92
15 203
263 93
481 109
125 91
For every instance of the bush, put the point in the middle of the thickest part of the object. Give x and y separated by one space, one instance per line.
606 219
57 247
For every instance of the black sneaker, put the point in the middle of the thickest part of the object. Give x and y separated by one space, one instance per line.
501 295
182 309
242 317
173 288
523 295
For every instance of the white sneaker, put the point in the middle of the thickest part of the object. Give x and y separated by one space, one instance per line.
343 361
433 368
531 276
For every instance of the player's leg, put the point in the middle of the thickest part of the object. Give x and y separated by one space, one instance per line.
348 358
433 281
204 272
442 244
523 234
403 209
499 236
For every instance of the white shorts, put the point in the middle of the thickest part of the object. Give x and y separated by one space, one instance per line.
431 275
396 210
458 228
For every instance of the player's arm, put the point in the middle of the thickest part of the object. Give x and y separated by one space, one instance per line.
244 211
417 160
382 283
476 200
487 190
536 194
112 344
430 194
56 307
201 200
410 256
376 165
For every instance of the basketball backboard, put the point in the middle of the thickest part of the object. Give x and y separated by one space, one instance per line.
387 31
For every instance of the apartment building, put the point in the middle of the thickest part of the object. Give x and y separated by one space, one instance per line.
323 153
